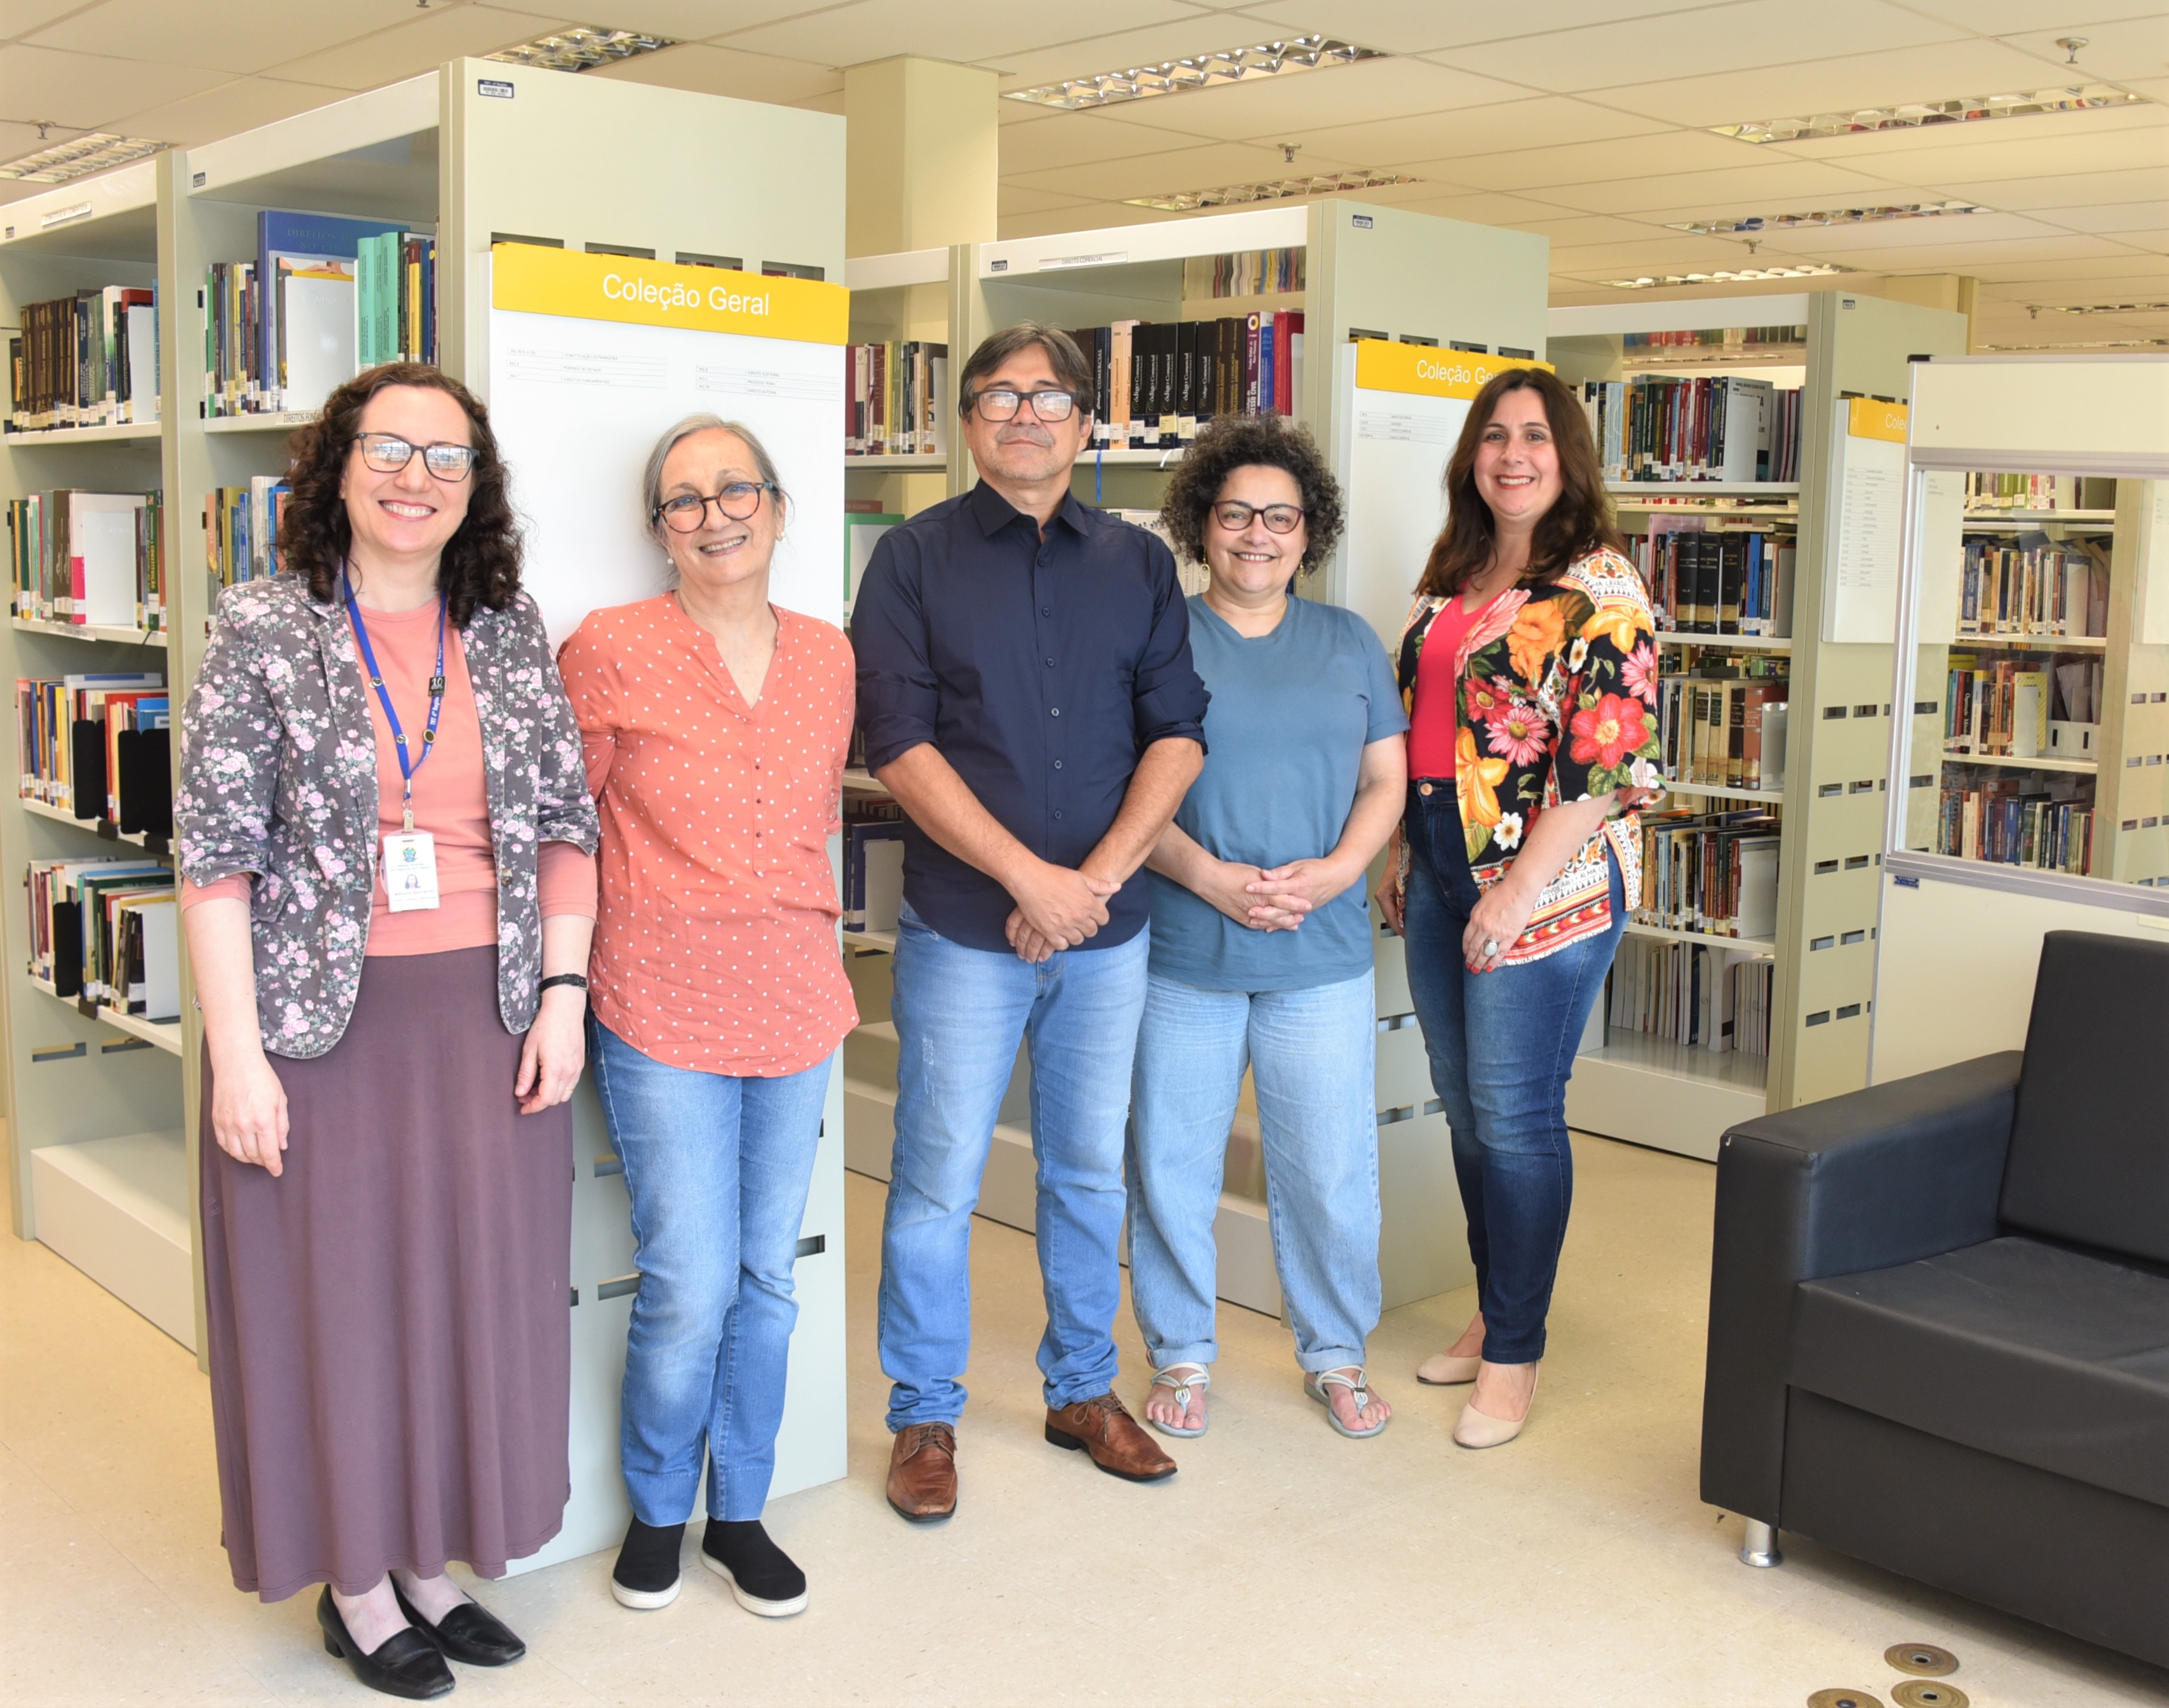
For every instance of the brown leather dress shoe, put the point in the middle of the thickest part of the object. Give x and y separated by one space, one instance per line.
922 1472
1100 1427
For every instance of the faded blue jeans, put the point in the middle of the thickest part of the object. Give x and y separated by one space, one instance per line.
718 1169
960 1014
1311 1056
1502 1046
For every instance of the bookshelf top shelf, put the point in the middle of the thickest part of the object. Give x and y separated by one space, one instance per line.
2012 762
1169 240
1691 314
2092 521
1704 791
1745 945
1724 643
279 421
92 632
1673 491
112 217
119 432
1689 357
373 154
2034 643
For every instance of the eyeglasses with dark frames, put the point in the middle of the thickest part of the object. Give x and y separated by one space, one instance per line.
1233 515
388 453
1000 404
688 513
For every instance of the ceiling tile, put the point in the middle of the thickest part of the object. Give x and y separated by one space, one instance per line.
1549 121
1962 258
1941 72
421 43
1858 246
1381 88
1086 216
718 71
1581 229
698 20
86 91
1419 26
2116 219
1582 162
2079 190
20 18
2136 47
1487 208
1018 199
1744 36
228 109
1803 186
1204 168
2109 277
1083 139
2014 17
871 29
1996 154
227 35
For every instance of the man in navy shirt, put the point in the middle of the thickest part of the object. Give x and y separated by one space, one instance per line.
1026 689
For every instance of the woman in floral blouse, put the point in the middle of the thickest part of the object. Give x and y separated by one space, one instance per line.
1529 667
387 853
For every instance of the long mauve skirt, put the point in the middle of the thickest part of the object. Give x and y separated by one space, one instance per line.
390 1341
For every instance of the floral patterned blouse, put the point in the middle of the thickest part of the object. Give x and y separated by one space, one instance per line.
279 777
1556 697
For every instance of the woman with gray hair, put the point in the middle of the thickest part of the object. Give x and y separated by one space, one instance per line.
715 727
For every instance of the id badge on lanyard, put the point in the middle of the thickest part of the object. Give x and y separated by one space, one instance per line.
410 856
410 871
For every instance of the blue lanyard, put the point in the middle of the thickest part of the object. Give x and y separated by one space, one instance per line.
408 767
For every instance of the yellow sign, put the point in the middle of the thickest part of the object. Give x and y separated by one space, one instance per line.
1871 417
1427 370
532 280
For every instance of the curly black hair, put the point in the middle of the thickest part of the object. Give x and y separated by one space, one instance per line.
1232 442
481 562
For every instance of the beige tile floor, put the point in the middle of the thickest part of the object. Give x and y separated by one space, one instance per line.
1282 1565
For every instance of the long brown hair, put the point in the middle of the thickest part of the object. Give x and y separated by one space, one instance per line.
481 562
1577 523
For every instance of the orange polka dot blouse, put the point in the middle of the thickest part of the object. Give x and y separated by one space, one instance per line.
715 941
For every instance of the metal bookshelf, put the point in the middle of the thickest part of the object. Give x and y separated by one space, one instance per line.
1629 1085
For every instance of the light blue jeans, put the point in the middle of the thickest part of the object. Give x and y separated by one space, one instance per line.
1311 1054
718 1169
960 1013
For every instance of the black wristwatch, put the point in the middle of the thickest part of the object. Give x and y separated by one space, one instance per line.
572 979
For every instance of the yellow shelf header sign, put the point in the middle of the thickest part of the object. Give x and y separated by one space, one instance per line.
1871 417
529 279
1428 371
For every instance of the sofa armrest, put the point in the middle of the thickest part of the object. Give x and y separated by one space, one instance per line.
1865 1181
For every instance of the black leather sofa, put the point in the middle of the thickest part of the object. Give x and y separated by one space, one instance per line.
1939 1314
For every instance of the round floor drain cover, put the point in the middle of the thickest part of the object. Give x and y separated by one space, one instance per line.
1844 1699
1921 1660
1926 1693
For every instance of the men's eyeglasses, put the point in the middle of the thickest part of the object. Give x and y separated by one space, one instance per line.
387 454
1234 516
688 513
1002 404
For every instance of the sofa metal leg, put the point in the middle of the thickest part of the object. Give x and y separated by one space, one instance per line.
1759 1546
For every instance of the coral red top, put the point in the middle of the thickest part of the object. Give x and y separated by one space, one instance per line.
1430 718
451 802
715 944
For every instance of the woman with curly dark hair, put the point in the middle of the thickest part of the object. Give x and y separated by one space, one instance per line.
1262 935
388 917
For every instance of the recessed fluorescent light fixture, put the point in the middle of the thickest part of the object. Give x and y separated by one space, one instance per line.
581 48
2104 307
85 155
1750 224
1202 71
1270 190
1806 269
1912 114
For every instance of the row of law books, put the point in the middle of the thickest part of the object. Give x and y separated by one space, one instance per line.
325 297
104 934
2013 709
1727 581
873 864
1692 993
86 360
2033 588
1246 273
1153 382
1715 873
92 559
99 746
892 396
242 526
1723 733
1711 339
2046 824
1659 426
2006 491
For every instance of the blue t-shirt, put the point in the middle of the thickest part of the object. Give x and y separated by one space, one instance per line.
1291 714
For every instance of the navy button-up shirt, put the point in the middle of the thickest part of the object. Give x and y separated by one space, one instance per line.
1040 669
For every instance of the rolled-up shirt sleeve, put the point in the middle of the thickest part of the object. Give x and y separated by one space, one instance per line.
899 695
1168 695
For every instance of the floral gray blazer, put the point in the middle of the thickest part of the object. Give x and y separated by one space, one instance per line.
278 778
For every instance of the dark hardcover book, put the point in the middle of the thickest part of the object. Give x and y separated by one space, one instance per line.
1709 566
1185 371
1732 582
147 780
67 949
87 751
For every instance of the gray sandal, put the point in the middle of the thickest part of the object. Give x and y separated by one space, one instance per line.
1359 1390
1182 1385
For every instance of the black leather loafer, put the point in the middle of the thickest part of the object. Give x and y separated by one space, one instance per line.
470 1632
406 1665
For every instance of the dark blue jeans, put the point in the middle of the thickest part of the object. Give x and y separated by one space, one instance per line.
1501 1044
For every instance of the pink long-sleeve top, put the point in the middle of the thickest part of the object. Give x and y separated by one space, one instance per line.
451 802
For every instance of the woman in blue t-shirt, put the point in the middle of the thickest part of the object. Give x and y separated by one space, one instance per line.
1260 933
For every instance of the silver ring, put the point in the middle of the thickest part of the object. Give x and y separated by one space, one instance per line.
1490 948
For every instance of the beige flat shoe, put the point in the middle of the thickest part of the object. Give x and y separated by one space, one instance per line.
1481 1430
1443 1369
